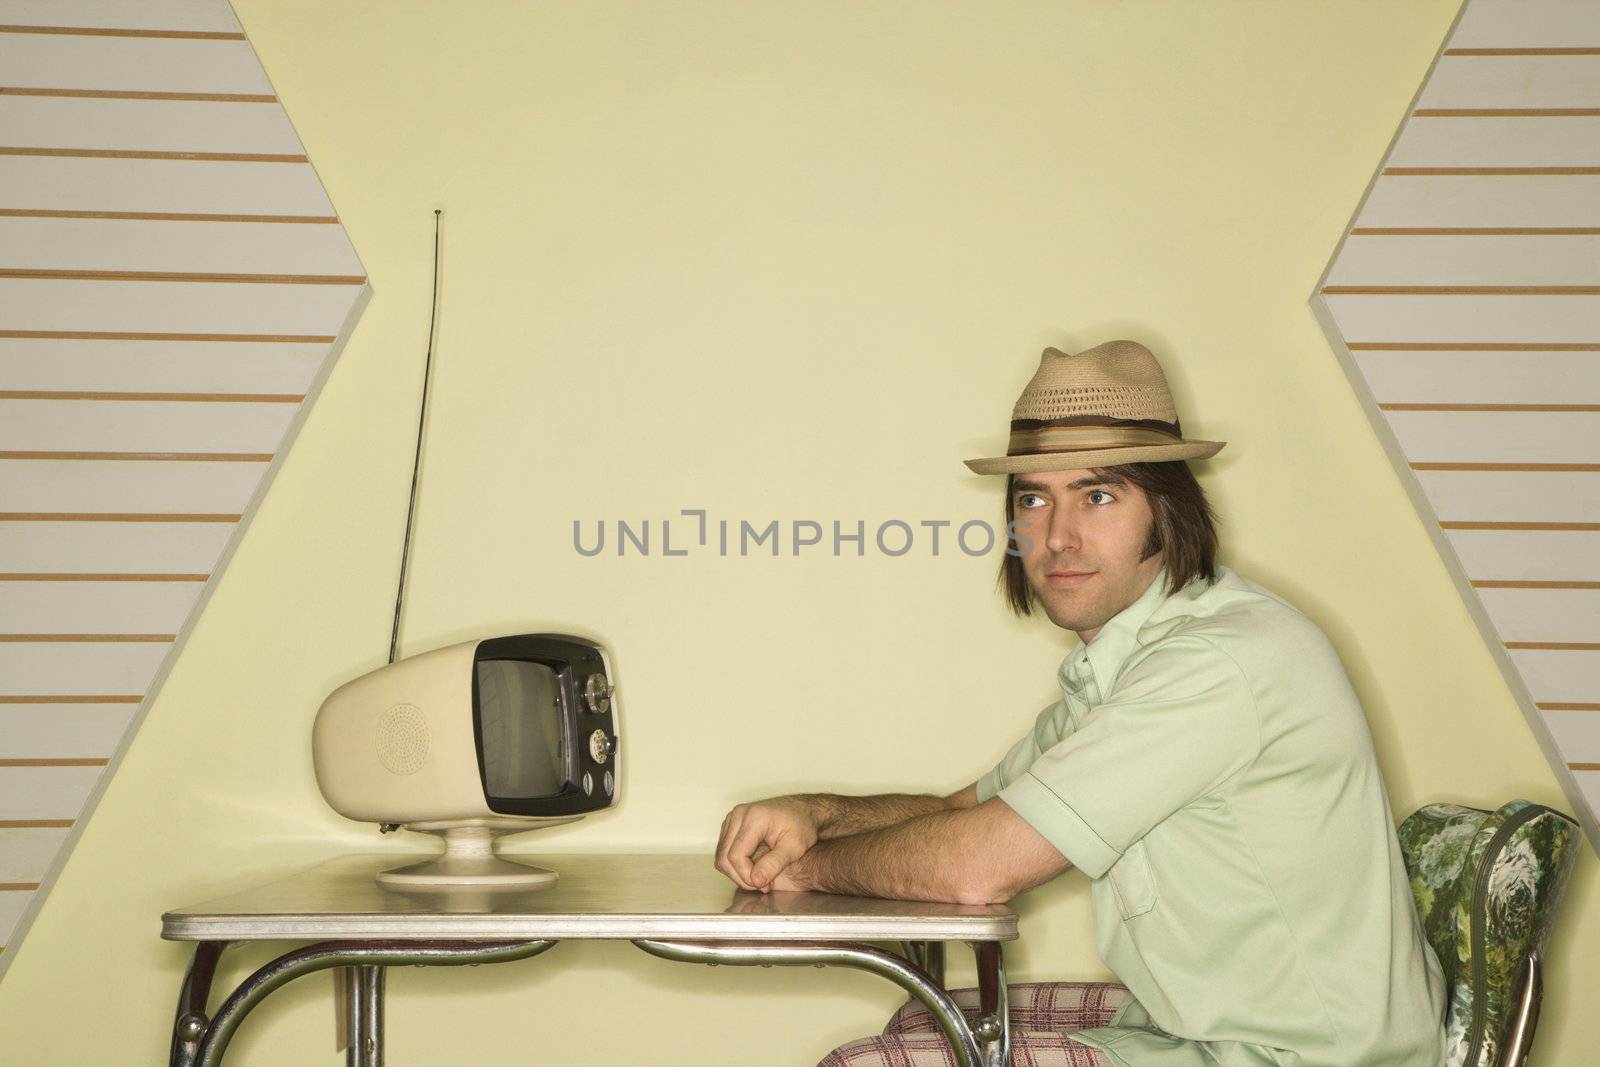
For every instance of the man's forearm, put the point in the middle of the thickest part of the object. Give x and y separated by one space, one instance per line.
927 857
965 855
843 816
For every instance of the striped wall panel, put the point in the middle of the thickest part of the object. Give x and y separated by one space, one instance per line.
1465 303
174 285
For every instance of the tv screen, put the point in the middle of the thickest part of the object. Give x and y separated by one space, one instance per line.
544 725
519 707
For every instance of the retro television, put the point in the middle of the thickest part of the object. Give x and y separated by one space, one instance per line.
471 742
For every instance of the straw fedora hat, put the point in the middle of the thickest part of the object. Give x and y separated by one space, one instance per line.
1107 405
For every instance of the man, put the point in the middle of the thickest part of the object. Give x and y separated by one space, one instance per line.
1208 768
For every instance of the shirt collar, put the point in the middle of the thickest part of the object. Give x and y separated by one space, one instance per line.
1102 658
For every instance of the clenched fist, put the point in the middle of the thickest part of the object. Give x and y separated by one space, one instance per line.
760 840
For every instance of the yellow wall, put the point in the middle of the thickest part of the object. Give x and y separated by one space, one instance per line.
778 261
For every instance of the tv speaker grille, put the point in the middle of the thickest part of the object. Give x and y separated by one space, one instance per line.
403 739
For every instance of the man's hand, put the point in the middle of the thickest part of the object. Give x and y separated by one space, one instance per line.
791 880
759 840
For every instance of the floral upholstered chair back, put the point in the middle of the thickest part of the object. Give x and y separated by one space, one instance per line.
1486 885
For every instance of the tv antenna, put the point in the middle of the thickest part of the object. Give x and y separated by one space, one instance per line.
416 464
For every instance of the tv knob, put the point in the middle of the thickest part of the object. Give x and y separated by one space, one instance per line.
599 746
597 694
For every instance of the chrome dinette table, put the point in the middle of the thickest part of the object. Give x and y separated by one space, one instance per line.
672 906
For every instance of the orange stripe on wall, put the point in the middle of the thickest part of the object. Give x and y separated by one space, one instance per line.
1517 583
210 398
1462 290
16 576
122 153
1472 231
1470 346
121 94
1486 172
99 31
180 276
175 457
1525 467
104 335
108 516
163 216
1556 646
1506 112
1490 407
152 639
121 698
54 762
1522 51
1458 525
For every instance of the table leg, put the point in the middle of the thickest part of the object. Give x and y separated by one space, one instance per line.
211 1037
929 955
194 995
994 1019
344 980
903 973
366 1017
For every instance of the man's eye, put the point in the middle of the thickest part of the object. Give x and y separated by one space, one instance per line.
1030 500
1100 496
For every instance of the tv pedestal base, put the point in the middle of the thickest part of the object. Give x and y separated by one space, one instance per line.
469 860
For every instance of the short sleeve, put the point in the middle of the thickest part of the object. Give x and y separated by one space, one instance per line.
1179 722
1047 730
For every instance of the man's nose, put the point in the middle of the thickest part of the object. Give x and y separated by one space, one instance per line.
1064 535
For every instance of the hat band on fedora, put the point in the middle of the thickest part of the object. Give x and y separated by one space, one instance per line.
1080 433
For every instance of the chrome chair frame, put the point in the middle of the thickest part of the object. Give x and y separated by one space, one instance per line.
1519 1036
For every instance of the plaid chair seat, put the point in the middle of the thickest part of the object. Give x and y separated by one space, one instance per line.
1041 1013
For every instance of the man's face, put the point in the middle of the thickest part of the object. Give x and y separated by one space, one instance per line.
1087 532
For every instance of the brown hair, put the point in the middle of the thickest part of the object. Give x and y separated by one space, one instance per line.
1183 527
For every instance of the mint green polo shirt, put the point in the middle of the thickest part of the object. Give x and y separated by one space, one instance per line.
1210 769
